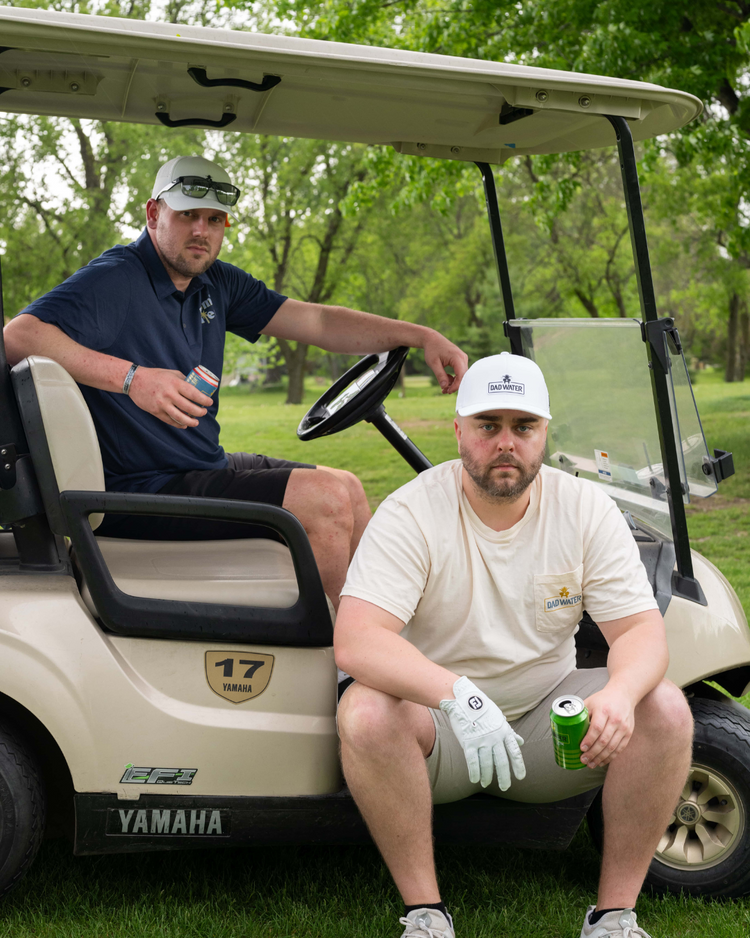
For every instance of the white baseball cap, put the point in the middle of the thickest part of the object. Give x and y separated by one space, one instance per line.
181 166
503 382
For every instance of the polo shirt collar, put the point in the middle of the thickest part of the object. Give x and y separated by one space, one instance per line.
160 279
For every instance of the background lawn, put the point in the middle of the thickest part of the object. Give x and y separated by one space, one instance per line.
341 892
719 525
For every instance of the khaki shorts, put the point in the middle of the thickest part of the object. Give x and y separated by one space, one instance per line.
545 780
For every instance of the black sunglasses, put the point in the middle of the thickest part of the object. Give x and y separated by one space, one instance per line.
196 187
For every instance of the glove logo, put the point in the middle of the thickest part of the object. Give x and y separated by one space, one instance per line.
475 703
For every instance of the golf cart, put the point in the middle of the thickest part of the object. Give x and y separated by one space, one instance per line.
131 671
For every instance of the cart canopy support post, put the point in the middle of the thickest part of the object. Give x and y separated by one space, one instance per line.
498 246
683 582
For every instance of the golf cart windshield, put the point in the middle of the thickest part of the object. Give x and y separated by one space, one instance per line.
603 425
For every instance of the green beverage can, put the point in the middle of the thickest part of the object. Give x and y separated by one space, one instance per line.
570 722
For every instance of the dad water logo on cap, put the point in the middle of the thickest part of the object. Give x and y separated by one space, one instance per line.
506 385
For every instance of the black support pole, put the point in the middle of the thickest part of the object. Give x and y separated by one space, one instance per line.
684 583
399 440
498 244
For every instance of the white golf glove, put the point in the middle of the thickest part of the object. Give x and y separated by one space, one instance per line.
485 735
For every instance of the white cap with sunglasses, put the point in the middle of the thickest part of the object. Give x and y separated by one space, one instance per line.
194 182
503 382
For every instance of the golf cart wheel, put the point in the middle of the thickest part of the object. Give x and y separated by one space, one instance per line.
705 850
22 809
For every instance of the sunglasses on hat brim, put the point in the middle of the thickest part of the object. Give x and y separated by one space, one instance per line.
197 187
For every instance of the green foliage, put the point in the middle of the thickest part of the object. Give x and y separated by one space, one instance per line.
294 233
70 189
406 237
699 47
248 362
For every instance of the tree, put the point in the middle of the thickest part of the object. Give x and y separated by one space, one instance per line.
70 189
700 47
297 237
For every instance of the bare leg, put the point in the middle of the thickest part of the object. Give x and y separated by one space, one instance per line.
323 506
384 742
360 505
641 790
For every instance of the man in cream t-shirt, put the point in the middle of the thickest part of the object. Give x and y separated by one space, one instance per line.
457 622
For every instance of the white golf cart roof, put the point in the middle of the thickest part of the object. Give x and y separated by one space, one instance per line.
73 65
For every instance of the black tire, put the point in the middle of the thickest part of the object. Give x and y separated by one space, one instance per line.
22 809
721 770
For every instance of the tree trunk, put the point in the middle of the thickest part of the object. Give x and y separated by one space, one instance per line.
619 299
473 298
734 309
744 340
335 366
295 362
401 384
588 304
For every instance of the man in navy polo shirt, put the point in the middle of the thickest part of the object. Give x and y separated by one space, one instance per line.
134 322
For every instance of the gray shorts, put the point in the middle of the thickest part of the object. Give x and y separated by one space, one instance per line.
545 780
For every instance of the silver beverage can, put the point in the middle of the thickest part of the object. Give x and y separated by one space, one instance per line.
203 379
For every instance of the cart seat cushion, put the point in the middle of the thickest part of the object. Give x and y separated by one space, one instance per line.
256 572
71 436
72 445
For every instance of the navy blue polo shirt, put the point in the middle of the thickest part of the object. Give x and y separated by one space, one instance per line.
124 304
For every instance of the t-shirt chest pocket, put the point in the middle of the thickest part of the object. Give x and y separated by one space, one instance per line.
558 600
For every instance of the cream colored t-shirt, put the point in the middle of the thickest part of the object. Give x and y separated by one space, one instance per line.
501 607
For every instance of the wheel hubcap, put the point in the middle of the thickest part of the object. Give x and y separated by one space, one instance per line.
706 825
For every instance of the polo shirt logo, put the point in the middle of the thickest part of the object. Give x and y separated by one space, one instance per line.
563 599
505 385
207 312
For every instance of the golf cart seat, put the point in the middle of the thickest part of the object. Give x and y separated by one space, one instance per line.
65 450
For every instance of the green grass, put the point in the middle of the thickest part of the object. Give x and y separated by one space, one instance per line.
327 892
725 413
345 892
260 422
720 525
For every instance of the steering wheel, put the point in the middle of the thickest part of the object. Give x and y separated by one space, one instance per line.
355 395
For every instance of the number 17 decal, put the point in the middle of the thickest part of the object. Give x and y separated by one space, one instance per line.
238 675
228 665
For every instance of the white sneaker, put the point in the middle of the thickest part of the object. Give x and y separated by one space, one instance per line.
612 925
427 923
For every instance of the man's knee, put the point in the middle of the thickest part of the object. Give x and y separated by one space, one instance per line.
318 496
351 483
664 712
372 721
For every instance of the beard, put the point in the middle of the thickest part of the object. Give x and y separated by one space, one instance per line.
496 488
189 266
